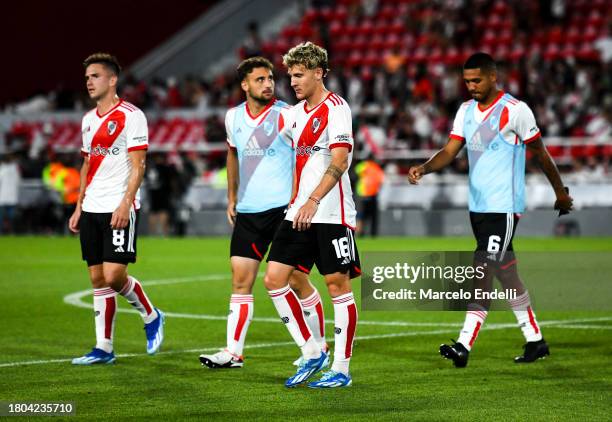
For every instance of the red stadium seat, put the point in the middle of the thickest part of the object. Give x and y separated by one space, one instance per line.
556 151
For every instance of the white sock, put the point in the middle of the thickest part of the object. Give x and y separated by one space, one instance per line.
105 308
521 306
238 320
135 295
474 319
345 323
288 307
313 313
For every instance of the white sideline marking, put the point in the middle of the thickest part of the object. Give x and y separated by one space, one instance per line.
75 299
490 327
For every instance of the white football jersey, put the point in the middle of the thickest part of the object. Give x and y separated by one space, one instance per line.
516 122
107 140
314 133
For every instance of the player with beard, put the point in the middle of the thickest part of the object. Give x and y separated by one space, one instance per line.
260 181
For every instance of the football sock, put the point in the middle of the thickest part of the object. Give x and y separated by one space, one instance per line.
313 313
135 295
288 307
238 320
474 319
105 307
521 306
345 322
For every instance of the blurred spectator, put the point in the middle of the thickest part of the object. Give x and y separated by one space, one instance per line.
252 45
162 184
370 179
10 179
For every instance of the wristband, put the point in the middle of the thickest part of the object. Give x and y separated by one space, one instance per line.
315 200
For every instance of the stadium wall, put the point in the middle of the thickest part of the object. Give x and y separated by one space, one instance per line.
538 223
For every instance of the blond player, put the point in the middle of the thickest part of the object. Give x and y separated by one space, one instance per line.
320 223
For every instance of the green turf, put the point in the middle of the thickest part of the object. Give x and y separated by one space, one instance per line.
395 378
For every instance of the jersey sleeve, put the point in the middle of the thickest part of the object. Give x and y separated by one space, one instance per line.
286 120
86 147
229 118
137 132
457 130
525 126
340 127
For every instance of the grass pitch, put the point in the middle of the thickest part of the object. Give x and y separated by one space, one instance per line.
396 369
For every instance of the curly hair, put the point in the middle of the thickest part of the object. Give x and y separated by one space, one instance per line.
105 59
308 54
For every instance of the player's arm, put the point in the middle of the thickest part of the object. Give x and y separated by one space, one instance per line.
564 201
73 222
339 164
121 215
437 162
232 184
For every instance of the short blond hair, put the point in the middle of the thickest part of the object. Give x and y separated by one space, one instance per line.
308 54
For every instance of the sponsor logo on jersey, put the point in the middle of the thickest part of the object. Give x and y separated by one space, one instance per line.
254 150
475 144
111 127
285 320
97 313
103 151
344 137
316 123
337 330
87 129
306 150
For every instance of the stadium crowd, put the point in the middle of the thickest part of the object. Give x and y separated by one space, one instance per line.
398 63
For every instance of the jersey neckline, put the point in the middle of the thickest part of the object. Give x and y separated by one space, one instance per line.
501 94
113 108
329 94
266 108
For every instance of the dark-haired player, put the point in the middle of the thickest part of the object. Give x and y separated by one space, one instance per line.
260 180
497 130
115 140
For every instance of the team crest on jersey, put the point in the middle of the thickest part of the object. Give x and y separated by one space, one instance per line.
111 127
268 127
316 123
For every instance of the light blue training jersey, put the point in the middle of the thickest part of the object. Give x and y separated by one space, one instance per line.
265 160
497 162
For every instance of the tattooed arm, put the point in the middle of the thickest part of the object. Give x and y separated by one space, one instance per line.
332 175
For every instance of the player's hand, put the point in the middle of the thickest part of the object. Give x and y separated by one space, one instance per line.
303 218
564 203
415 174
120 217
231 213
73 222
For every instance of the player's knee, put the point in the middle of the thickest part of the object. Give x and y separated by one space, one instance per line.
243 283
295 285
97 281
299 282
338 284
273 282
